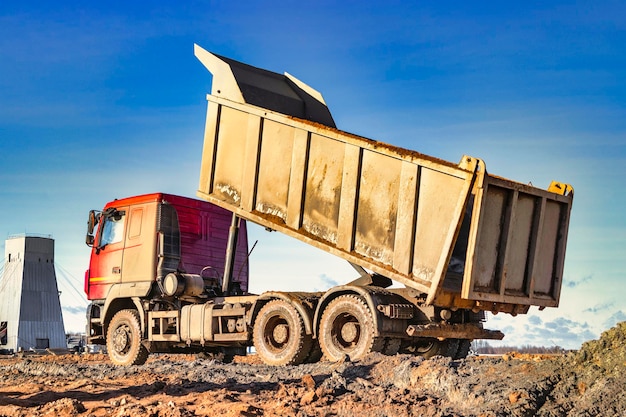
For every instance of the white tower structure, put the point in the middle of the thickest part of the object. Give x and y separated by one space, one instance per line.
30 310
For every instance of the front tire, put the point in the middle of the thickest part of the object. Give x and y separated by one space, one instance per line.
124 339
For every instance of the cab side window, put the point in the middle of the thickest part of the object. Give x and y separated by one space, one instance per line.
112 230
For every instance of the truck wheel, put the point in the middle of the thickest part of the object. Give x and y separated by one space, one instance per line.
392 346
464 348
428 348
124 339
347 328
316 353
279 335
229 353
222 354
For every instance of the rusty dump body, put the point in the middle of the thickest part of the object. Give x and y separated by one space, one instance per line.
453 232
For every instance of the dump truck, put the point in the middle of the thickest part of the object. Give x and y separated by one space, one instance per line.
434 244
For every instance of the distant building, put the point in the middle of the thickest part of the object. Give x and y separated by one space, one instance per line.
30 310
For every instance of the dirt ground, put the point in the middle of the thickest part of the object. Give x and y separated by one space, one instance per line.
589 382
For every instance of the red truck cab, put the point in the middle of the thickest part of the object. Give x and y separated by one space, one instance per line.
138 241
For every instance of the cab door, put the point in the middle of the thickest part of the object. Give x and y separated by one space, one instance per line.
105 267
140 259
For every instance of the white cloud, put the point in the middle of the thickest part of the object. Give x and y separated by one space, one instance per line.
576 283
615 318
599 307
549 329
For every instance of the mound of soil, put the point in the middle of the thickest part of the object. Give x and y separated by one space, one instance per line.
589 382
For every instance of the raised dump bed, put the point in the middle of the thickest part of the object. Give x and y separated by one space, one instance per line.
459 235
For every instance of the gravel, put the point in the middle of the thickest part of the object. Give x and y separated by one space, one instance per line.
588 382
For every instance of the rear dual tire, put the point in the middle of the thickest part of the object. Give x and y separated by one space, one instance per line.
347 328
428 348
279 335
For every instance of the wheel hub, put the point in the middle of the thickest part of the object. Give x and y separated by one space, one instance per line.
120 340
281 333
349 332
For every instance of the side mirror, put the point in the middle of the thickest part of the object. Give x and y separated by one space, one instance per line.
94 217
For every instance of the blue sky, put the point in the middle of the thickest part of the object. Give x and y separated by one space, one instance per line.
106 100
